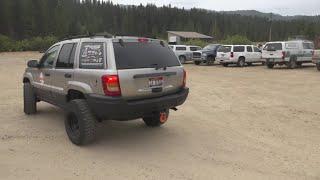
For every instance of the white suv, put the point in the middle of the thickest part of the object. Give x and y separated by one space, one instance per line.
289 53
238 54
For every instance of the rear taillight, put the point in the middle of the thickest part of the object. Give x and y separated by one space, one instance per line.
283 54
143 40
231 55
184 83
111 85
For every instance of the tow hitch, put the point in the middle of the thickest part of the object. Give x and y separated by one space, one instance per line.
174 108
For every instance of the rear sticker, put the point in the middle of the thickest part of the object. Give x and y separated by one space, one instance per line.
92 55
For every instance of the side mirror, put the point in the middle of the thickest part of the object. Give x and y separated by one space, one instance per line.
33 64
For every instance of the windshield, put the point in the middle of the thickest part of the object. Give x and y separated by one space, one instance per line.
273 46
308 46
210 47
224 49
134 55
195 48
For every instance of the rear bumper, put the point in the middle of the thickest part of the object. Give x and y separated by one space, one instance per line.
222 61
199 59
285 60
117 108
277 60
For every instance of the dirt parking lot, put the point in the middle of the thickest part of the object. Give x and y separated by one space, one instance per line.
238 123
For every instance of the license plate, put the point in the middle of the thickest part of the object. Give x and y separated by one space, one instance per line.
155 82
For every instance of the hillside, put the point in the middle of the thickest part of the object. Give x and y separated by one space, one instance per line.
31 18
274 16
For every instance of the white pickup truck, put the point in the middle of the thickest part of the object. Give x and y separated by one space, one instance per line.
289 53
183 52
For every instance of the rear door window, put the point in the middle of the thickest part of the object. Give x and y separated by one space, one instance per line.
238 49
134 55
249 49
92 55
66 56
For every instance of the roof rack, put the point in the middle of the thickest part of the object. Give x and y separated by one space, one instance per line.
89 35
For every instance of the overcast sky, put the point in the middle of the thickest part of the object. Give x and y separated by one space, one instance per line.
283 7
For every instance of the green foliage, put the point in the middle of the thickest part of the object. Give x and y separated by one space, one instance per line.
23 19
6 44
33 44
236 40
197 42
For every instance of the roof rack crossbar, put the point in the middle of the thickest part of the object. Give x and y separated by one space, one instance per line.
89 35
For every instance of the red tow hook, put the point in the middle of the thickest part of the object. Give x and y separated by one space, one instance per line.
163 117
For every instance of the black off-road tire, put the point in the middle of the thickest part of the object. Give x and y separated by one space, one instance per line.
197 62
210 60
80 122
299 64
154 120
29 99
318 66
241 62
263 63
292 64
270 65
182 59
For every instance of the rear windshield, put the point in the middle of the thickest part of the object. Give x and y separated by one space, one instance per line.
133 55
308 46
238 49
273 46
224 49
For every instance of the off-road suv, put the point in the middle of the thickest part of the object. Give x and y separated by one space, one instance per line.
100 78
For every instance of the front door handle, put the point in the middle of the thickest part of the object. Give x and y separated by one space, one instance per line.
47 74
67 75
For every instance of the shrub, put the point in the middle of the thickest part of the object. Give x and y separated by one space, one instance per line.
33 44
6 44
236 40
197 42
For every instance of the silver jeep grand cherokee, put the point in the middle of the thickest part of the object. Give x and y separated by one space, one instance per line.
99 78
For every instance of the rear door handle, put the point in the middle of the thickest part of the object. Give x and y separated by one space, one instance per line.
67 75
47 74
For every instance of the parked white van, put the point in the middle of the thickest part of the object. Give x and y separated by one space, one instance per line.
238 54
289 53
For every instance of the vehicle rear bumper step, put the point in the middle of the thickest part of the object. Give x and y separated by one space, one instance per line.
117 108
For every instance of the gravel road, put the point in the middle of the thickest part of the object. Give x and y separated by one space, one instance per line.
238 123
